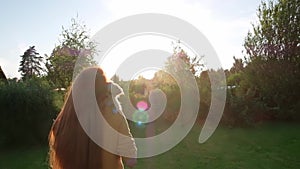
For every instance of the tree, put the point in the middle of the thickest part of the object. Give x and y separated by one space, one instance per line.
30 65
270 81
75 46
180 61
276 36
238 65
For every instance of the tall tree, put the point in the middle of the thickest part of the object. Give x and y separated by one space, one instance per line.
180 62
238 65
271 77
276 36
75 46
30 65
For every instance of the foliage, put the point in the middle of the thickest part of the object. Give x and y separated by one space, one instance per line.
263 86
26 110
180 62
205 93
264 90
267 87
276 36
30 65
237 66
75 48
167 84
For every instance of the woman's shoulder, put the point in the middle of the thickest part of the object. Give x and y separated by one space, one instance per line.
115 116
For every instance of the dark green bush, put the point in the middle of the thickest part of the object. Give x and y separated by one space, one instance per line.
26 112
265 90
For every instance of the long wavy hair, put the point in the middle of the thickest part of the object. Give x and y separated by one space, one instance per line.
70 146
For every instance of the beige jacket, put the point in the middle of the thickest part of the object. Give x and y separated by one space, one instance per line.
119 142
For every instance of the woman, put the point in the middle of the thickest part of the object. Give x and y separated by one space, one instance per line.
70 141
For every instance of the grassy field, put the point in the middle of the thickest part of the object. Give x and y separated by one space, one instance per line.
268 146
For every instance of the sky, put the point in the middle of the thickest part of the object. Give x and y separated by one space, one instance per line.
225 23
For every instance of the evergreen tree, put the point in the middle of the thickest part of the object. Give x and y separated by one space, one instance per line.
30 65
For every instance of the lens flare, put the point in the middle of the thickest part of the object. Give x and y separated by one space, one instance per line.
142 105
140 117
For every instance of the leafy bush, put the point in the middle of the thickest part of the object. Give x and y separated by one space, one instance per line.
26 109
265 90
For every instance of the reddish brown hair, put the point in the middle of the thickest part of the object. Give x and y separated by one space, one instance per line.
70 146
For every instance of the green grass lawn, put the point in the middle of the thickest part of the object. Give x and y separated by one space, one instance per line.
22 158
268 146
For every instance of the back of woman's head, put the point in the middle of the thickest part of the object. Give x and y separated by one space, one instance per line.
70 146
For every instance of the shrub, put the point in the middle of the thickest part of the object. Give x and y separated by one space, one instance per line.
26 109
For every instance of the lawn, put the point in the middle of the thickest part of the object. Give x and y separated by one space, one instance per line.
267 146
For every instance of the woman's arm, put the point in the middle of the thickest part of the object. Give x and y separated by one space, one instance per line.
126 144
